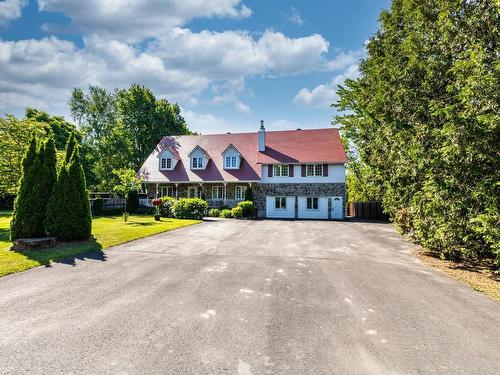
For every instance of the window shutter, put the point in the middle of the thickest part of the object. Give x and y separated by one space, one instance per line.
325 170
303 170
290 170
269 170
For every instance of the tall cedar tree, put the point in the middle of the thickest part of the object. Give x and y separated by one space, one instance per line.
424 119
35 187
68 212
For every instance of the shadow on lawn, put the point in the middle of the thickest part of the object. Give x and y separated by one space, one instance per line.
4 234
66 253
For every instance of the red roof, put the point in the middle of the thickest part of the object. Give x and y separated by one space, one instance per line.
290 146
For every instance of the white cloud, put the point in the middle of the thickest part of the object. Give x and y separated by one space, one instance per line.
136 20
233 54
294 17
43 72
10 10
322 96
344 59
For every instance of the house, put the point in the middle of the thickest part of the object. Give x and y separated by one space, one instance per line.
292 174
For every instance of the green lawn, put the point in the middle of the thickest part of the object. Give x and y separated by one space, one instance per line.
107 231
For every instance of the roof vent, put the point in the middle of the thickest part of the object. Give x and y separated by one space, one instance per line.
228 133
299 129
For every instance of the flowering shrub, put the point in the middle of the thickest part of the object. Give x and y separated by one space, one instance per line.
190 208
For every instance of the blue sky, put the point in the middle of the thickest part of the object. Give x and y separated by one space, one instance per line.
228 63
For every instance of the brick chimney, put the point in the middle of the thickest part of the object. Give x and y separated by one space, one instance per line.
262 137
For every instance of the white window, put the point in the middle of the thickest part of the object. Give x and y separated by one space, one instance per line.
280 203
280 170
165 163
314 170
217 192
192 192
169 163
166 191
239 192
230 162
312 203
197 163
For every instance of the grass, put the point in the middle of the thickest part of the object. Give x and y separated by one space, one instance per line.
479 276
107 231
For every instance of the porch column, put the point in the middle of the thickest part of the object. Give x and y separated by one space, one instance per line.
176 191
156 191
225 192
200 194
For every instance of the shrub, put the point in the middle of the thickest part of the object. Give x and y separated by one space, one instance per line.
68 212
249 195
167 204
226 213
190 208
39 175
248 208
97 206
214 212
237 212
133 201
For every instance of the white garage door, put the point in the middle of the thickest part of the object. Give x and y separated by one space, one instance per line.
280 207
313 208
337 207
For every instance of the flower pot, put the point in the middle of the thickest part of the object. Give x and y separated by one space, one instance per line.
157 217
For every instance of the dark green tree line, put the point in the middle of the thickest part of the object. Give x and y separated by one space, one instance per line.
424 119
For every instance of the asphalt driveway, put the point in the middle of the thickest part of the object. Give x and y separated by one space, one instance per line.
248 297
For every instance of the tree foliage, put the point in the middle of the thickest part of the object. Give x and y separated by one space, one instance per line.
424 119
121 128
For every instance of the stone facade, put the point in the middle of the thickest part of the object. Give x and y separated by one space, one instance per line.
260 192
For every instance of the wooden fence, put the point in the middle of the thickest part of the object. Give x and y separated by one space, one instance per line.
366 210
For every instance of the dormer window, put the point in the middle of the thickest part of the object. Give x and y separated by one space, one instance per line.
230 162
167 159
197 163
166 163
231 158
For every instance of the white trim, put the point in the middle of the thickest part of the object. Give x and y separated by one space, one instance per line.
219 188
243 191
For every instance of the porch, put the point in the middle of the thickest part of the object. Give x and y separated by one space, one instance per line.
216 194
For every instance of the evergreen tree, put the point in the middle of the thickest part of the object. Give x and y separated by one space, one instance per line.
70 146
39 175
424 120
68 212
23 224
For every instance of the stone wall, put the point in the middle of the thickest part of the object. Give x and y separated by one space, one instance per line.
318 190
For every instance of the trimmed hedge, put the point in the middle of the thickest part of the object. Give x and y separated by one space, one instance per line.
214 212
190 208
248 208
226 213
237 212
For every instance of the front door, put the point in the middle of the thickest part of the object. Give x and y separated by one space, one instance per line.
337 208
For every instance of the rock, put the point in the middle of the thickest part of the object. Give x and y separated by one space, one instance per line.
34 243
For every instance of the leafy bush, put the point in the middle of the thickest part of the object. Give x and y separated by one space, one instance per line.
226 213
214 212
237 212
167 204
190 208
249 195
97 206
248 208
